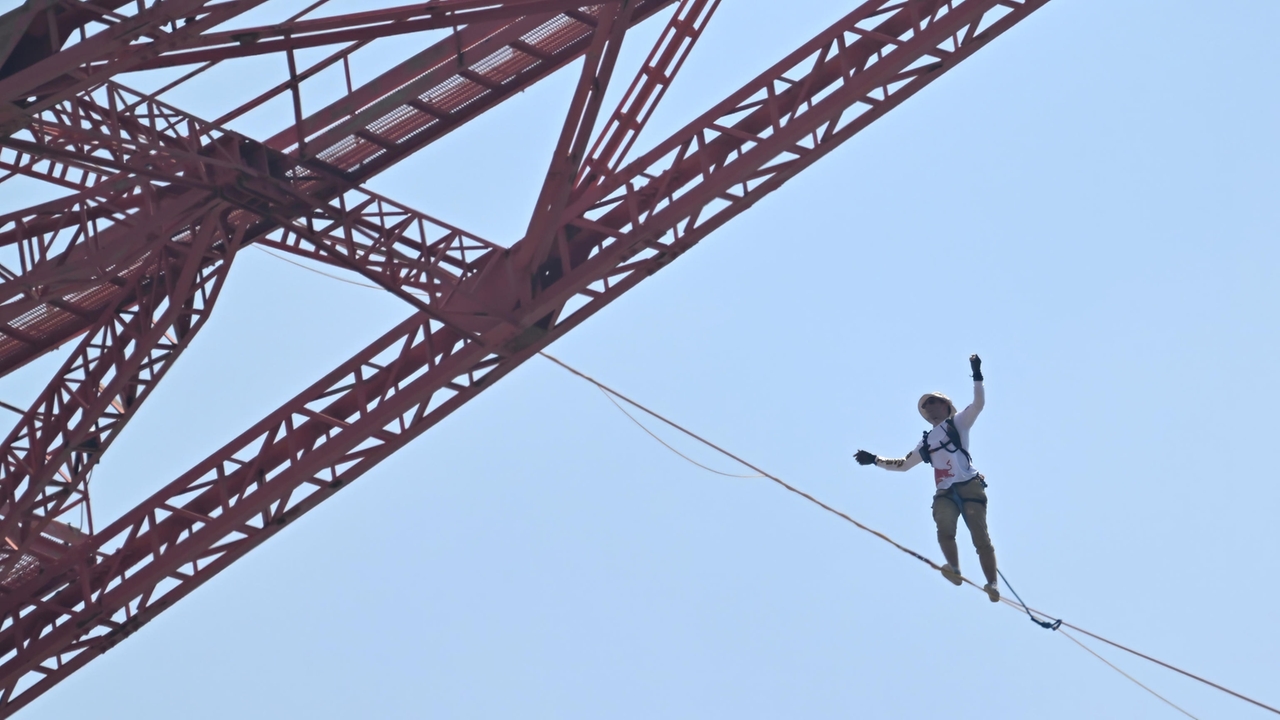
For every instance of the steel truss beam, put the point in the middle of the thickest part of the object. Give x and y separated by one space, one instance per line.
67 135
46 460
496 63
566 159
651 82
163 121
65 261
110 133
356 27
630 226
482 65
395 246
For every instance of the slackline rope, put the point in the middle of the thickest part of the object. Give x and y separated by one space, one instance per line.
1056 624
1049 623
1134 680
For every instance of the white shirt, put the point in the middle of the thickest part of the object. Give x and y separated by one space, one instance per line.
949 466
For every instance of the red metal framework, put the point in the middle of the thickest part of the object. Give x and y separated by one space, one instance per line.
162 201
373 127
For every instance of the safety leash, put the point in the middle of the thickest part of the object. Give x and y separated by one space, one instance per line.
1042 623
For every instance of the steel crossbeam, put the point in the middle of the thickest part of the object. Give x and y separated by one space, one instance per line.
64 261
566 159
46 460
355 27
623 229
111 132
622 129
372 127
390 243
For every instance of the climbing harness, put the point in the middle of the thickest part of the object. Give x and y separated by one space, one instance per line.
952 444
1042 623
953 493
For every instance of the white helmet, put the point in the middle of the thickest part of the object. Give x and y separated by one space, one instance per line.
951 407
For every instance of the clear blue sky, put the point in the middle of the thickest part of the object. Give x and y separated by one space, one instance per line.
1090 203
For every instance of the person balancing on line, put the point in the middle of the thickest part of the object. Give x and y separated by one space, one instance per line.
960 487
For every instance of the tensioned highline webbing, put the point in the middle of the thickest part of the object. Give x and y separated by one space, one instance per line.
912 553
610 393
1131 678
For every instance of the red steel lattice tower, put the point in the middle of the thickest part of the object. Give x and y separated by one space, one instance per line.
156 203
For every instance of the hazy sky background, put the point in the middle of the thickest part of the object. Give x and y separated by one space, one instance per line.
1090 203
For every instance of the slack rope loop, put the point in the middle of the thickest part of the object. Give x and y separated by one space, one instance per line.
665 445
1049 623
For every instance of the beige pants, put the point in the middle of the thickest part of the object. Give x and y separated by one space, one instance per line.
947 514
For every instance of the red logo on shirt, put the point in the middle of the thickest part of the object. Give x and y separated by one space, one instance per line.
942 473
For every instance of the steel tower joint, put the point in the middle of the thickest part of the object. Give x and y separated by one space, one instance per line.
548 233
498 62
545 227
67 258
46 460
66 304
121 143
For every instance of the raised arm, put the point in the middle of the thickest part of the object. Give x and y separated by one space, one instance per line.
896 464
965 417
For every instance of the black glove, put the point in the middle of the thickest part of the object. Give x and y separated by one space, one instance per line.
864 458
975 364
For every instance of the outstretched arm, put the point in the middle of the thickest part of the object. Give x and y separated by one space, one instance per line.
965 417
896 464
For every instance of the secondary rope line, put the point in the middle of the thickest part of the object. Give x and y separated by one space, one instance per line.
665 445
331 276
610 391
1132 678
730 455
1163 664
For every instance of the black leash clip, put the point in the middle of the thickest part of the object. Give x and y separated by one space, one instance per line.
1045 624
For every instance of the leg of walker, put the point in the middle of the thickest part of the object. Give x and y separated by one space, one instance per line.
975 516
946 515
